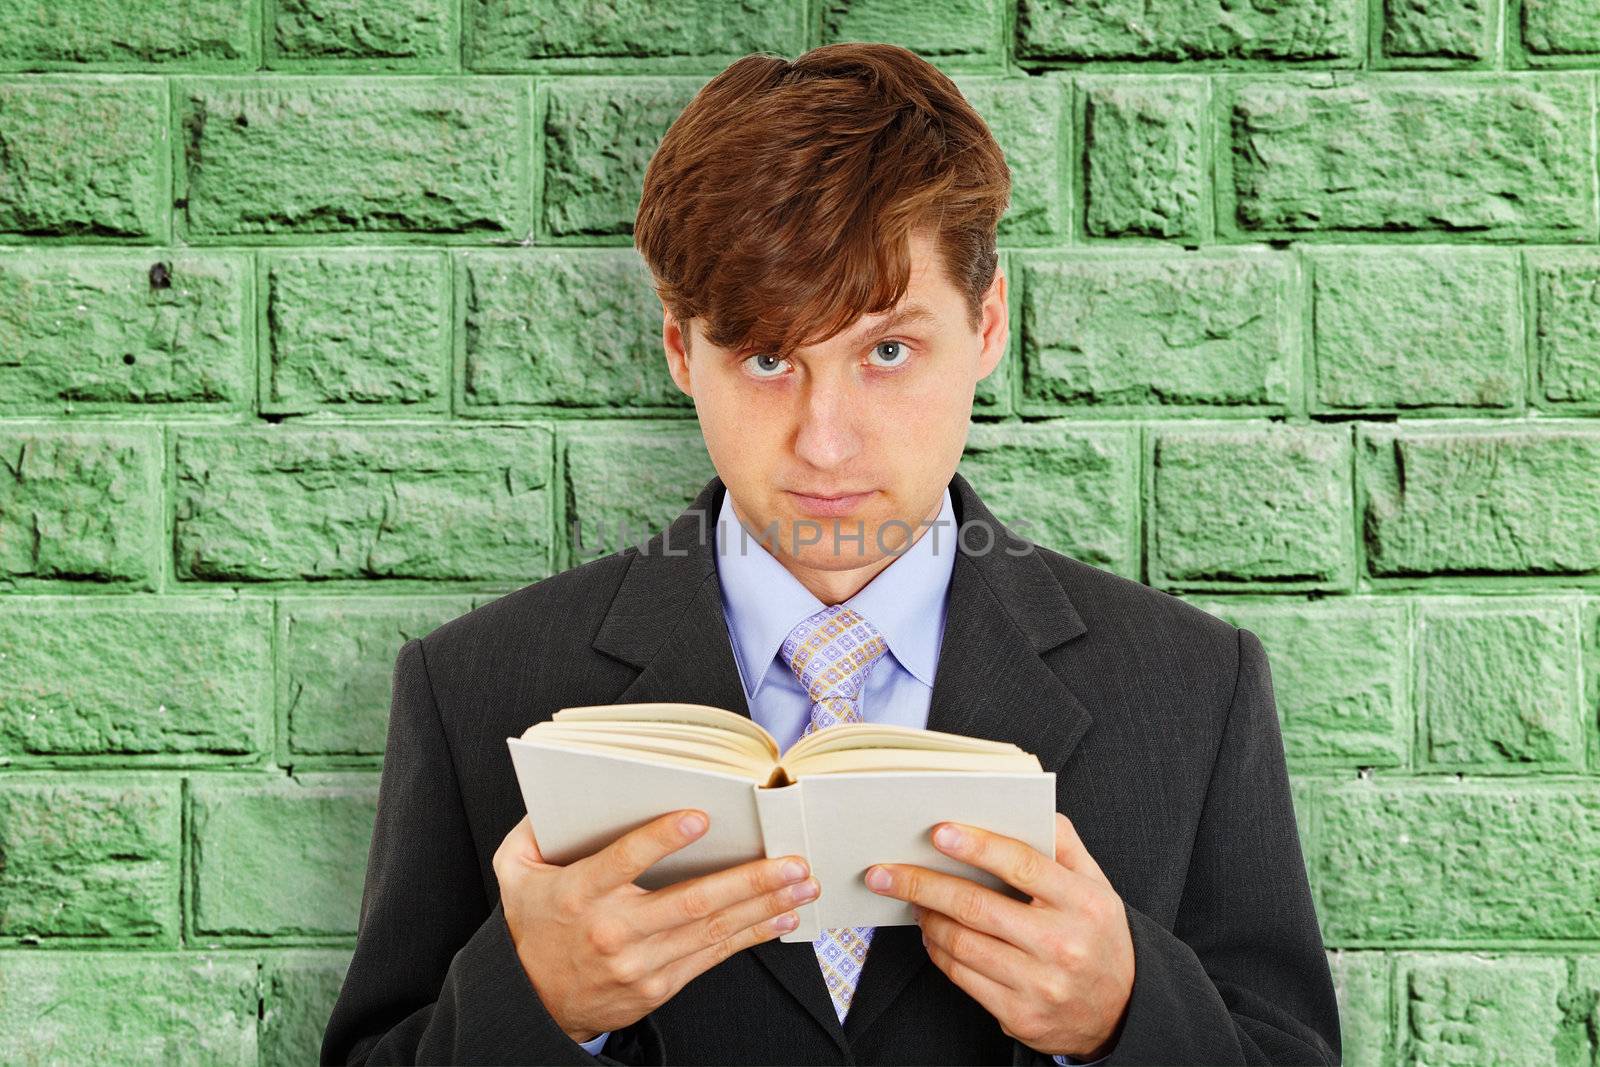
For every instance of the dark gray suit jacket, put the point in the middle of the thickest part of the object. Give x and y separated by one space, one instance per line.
1158 719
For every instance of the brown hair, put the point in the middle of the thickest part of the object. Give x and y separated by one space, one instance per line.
783 198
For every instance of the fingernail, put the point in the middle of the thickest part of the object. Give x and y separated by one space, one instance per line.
692 824
793 870
947 837
878 878
786 922
804 891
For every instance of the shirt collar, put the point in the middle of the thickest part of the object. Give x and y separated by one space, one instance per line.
905 600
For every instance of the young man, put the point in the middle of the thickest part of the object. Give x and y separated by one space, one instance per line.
822 237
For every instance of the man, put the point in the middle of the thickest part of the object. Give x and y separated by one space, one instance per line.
821 234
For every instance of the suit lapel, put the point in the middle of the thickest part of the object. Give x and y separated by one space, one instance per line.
1006 608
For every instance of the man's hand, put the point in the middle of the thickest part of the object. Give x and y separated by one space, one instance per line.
1056 972
603 953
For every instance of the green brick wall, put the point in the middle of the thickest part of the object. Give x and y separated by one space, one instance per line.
320 324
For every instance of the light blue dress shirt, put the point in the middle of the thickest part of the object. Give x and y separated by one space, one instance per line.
906 601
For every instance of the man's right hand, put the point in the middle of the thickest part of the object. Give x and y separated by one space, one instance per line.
603 953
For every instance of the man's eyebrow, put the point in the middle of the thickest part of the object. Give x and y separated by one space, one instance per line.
908 315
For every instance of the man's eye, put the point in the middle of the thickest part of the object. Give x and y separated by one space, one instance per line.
898 353
765 364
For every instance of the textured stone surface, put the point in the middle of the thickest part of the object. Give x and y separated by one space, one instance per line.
1482 157
297 993
1251 505
90 858
83 158
1497 683
362 328
95 1007
1339 676
194 33
350 29
1415 861
279 857
1560 27
563 329
1067 488
89 331
1362 982
79 503
1145 163
599 135
1439 29
954 28
1397 328
1567 326
1174 30
1173 328
1479 500
389 502
1589 638
1475 1009
511 35
436 156
625 483
134 676
1028 118
337 656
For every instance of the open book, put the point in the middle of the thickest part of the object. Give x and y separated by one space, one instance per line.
845 797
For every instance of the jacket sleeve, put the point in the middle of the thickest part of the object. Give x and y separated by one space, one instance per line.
1243 976
435 977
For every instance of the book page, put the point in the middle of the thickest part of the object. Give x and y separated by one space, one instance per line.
898 759
698 714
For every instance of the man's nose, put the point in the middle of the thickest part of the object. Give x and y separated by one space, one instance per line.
831 409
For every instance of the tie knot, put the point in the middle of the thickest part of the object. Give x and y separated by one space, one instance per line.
832 651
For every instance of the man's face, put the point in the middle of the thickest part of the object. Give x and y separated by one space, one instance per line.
875 417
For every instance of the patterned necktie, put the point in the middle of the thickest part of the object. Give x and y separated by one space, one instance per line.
831 652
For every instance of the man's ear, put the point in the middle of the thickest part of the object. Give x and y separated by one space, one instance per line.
996 325
676 341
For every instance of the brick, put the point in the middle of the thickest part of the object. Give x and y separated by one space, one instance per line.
1175 30
1567 326
98 1007
1479 1009
956 29
599 135
1251 505
1215 329
356 328
1028 117
89 331
345 502
437 156
380 34
1145 169
625 483
83 158
89 858
1559 27
1589 638
1586 996
135 676
563 328
1068 488
1403 328
79 504
1479 500
199 33
1362 982
504 35
1487 156
338 658
1497 684
280 857
1485 861
297 993
1339 675
1439 29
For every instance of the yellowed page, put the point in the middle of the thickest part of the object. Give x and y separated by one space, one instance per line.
894 759
700 714
887 735
747 747
755 773
697 748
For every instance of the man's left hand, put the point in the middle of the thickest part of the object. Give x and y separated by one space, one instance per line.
1056 972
